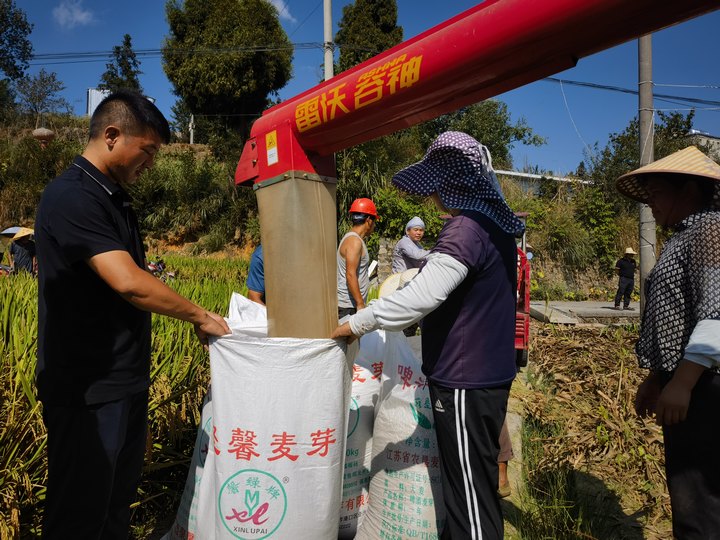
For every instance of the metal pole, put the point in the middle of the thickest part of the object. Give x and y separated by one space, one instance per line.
191 126
646 126
328 38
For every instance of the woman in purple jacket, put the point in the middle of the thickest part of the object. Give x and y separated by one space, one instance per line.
465 294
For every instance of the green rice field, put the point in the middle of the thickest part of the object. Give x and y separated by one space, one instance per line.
180 372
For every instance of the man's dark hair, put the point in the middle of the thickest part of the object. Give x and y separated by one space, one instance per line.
358 218
131 111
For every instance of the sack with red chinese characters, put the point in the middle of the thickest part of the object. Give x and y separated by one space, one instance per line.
367 375
279 414
405 490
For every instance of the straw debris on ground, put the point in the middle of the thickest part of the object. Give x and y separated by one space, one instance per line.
582 382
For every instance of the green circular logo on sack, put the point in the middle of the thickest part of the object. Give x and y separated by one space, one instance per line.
252 504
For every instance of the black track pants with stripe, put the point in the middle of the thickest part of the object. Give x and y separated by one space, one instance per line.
467 424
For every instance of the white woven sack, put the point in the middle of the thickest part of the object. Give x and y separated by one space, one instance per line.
279 415
405 489
367 375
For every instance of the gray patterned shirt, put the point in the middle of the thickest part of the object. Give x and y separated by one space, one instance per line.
682 290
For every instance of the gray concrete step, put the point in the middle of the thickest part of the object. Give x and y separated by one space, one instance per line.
564 312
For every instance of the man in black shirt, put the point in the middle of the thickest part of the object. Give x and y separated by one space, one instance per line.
94 304
625 269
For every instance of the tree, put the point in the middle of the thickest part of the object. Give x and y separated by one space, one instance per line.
367 28
124 70
7 100
225 57
366 169
15 47
622 153
39 94
489 123
598 208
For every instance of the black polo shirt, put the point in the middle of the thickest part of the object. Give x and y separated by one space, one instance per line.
626 267
93 346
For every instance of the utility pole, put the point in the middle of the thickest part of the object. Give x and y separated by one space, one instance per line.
647 131
191 127
327 38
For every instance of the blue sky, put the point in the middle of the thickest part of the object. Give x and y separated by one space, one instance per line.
571 118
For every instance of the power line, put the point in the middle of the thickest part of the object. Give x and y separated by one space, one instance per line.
630 91
101 56
712 109
45 59
567 108
307 17
98 56
711 86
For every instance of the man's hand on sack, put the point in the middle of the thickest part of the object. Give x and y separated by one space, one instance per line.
212 325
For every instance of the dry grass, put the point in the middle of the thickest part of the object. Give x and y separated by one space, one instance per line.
579 417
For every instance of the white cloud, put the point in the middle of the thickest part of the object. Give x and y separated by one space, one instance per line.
70 13
283 10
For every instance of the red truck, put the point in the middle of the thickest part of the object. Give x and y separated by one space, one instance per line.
522 310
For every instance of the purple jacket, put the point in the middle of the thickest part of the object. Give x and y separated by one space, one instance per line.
469 340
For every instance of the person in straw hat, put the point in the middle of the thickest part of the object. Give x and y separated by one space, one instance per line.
465 293
625 269
679 341
22 252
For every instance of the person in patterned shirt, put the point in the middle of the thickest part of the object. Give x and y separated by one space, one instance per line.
679 340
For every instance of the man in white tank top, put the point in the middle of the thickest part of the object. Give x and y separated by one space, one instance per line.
353 260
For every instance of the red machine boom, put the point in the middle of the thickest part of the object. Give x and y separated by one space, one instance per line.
489 49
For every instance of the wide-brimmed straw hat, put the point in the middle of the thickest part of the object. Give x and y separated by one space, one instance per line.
459 169
397 281
689 161
22 233
630 251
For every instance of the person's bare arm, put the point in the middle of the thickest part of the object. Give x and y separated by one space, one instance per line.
255 297
146 292
352 251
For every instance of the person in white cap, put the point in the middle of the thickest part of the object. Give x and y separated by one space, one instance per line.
466 294
408 252
625 268
679 341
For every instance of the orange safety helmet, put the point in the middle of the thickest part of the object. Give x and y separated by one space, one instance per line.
364 206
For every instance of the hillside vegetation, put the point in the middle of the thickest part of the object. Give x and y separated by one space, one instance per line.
189 201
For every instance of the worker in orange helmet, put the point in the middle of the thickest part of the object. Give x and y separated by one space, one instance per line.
353 260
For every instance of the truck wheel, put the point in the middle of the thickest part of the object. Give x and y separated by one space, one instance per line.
521 358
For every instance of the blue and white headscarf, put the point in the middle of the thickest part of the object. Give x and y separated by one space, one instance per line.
459 169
